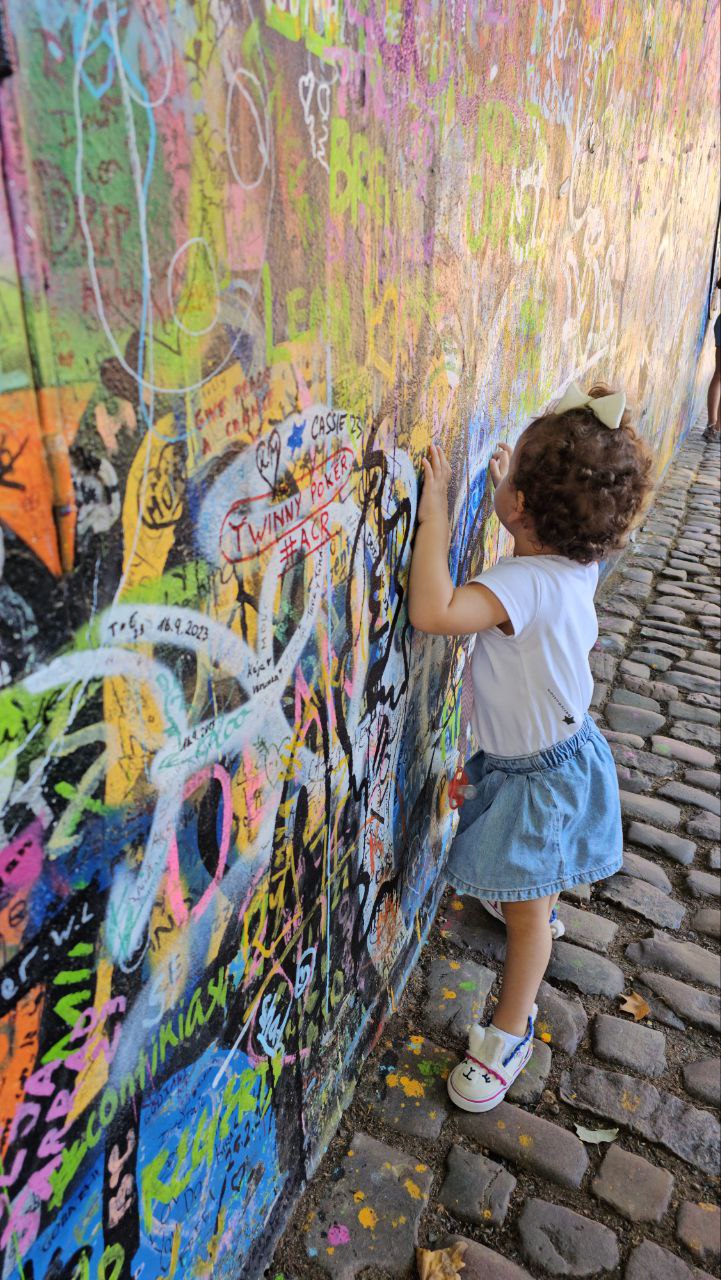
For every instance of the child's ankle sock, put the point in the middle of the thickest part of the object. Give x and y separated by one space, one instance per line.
512 1042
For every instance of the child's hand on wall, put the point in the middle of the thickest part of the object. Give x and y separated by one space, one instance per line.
436 478
500 462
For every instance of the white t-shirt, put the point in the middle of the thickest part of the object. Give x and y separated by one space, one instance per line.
533 688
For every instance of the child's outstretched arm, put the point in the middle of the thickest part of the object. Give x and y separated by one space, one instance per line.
434 604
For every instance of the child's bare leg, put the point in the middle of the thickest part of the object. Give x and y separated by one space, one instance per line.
528 950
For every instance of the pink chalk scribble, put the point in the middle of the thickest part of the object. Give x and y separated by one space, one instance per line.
338 1234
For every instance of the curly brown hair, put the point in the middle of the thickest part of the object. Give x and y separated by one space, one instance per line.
584 486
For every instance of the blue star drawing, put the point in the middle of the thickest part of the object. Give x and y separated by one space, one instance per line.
295 439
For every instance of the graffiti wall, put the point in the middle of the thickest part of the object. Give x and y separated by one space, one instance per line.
254 257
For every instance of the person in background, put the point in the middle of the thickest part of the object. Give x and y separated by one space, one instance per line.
712 434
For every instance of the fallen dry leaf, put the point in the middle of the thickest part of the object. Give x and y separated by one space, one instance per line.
596 1135
441 1264
636 1005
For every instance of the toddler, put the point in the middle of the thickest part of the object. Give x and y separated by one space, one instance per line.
544 811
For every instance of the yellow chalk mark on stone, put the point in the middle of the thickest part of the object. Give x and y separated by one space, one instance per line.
358 1196
413 1189
630 1102
392 1079
423 1168
487 1213
454 964
449 995
368 1218
525 1140
501 1124
457 904
330 1248
546 1037
411 1088
416 1039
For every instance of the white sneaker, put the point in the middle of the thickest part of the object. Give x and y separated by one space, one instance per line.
488 1070
493 908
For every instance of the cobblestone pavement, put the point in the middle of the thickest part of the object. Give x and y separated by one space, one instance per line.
529 1195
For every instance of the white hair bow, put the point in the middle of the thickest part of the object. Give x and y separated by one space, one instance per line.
608 409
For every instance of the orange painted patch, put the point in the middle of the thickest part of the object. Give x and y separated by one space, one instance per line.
19 1042
35 432
368 1218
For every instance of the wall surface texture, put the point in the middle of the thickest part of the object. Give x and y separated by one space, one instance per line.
254 256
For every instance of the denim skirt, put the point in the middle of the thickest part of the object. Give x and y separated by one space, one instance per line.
539 824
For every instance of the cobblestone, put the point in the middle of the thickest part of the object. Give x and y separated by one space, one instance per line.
590 973
702 884
699 1228
707 658
707 920
659 1116
647 761
650 1262
684 794
586 928
707 734
666 842
475 1189
409 1091
679 959
564 1243
529 1085
708 778
699 1007
645 869
370 1216
627 698
648 809
634 719
706 827
693 683
457 994
639 1190
561 1020
535 1144
629 1045
682 751
645 900
656 661
694 714
480 1263
666 612
703 1080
